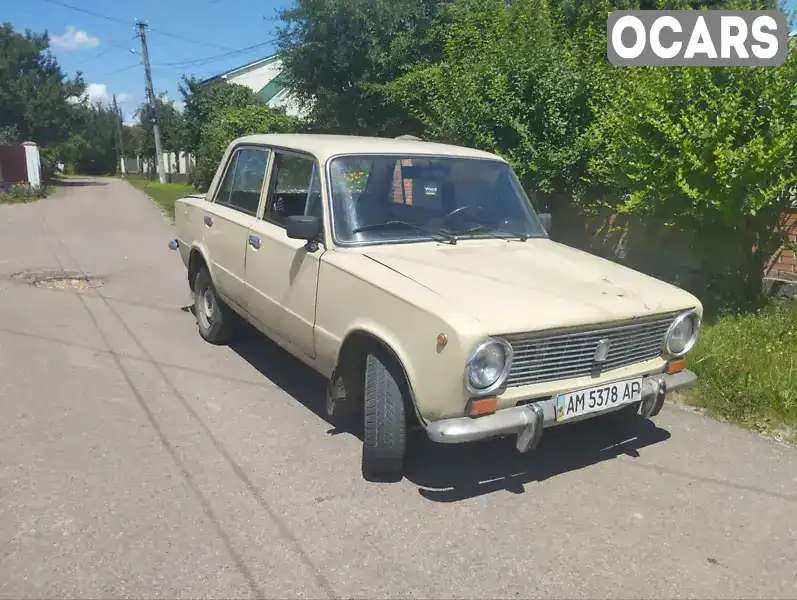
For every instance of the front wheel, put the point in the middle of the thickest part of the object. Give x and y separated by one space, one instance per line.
385 432
214 319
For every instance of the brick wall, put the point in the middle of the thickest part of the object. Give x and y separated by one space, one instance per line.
786 263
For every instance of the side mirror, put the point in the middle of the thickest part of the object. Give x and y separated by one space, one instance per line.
546 219
303 228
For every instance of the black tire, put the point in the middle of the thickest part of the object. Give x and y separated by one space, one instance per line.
385 431
214 318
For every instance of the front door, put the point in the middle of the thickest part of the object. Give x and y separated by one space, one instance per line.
230 215
281 275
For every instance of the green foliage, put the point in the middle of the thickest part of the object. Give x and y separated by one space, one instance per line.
747 369
91 146
202 102
338 52
512 80
33 89
21 193
710 151
229 125
170 123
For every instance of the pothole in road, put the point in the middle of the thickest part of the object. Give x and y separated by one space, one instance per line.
58 280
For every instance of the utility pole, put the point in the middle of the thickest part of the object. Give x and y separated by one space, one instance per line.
120 145
142 33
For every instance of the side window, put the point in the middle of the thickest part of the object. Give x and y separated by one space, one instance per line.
293 184
313 208
244 180
223 193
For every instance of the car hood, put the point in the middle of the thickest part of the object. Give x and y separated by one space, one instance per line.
513 286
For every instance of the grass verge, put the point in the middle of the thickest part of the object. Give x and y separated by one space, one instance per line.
164 194
747 371
24 195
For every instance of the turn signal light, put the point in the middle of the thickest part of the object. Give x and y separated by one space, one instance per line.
674 366
482 406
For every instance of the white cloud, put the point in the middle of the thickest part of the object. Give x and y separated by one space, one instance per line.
98 92
179 105
73 39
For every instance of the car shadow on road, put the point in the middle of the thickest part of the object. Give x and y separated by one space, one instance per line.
450 473
80 182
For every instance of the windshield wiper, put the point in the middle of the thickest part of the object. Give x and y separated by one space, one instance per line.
439 234
485 229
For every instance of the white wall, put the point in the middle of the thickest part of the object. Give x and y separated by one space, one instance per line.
256 78
33 164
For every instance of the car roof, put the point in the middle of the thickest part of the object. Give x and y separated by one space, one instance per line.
325 146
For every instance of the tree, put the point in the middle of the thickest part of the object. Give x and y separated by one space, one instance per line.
337 53
34 92
91 146
231 124
203 101
170 122
708 151
511 81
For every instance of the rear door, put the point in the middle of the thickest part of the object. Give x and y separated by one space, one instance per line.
281 274
230 215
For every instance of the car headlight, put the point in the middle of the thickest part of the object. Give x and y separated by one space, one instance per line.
681 335
488 366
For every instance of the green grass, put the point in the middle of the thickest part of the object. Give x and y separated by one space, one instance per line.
20 195
747 371
164 194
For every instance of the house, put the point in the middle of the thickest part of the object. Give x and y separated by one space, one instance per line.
266 78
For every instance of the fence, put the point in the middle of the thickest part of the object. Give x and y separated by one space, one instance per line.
20 164
178 166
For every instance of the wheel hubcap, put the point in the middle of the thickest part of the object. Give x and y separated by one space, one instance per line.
206 307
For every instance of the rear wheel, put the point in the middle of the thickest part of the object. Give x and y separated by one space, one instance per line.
385 432
214 318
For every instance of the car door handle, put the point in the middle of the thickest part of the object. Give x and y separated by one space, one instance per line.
254 241
208 221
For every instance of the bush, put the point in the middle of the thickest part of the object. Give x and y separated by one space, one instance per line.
747 369
22 192
708 151
231 124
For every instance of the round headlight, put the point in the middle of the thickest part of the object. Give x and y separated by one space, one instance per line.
488 366
682 334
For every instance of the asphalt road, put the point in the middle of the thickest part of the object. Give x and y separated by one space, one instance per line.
137 460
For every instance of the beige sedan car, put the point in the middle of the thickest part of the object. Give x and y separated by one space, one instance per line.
418 278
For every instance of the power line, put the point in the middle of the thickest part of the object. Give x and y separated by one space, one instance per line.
122 22
101 54
127 68
88 12
185 39
213 58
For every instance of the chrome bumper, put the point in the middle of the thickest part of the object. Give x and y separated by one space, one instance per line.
528 421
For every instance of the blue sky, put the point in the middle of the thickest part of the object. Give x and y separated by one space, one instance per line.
100 47
203 31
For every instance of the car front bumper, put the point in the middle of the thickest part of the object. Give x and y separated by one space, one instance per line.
527 421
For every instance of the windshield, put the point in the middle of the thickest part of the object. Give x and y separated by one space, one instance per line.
410 198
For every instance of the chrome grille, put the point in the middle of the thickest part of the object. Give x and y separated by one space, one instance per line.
567 355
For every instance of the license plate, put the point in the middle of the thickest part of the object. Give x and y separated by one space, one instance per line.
596 399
